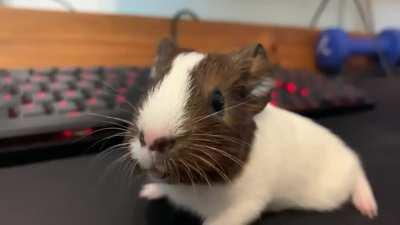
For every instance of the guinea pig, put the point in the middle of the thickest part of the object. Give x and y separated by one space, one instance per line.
210 142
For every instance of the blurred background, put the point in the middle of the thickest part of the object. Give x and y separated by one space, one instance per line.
285 12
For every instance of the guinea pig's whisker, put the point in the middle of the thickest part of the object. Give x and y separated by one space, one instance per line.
116 162
122 133
97 131
176 170
227 155
111 117
199 171
217 141
222 137
219 171
116 93
102 155
188 173
208 155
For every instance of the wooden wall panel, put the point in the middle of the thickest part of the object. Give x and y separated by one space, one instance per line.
31 38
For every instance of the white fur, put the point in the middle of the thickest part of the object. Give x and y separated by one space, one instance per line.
164 109
294 163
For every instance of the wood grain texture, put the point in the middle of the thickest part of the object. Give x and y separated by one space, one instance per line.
30 38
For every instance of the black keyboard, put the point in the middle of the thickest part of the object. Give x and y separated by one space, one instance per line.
53 107
43 108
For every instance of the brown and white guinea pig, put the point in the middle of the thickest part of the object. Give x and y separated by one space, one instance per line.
211 144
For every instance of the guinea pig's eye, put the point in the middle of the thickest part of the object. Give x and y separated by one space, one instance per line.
217 101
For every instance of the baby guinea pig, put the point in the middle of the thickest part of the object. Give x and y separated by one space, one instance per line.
211 144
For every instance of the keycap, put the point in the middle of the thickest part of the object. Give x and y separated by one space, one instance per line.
39 78
91 77
6 80
57 86
65 106
66 78
103 94
94 104
72 95
6 99
21 76
43 96
29 88
32 109
86 85
120 99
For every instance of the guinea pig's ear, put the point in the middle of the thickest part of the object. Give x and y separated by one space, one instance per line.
166 48
166 51
255 75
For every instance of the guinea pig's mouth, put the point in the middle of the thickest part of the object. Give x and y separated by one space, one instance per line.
159 171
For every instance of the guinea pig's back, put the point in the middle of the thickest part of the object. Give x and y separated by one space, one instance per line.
302 162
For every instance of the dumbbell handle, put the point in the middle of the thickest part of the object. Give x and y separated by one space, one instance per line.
362 46
367 46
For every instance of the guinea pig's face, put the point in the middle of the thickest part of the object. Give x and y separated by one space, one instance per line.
195 124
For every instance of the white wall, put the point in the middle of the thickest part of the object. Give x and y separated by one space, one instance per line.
283 12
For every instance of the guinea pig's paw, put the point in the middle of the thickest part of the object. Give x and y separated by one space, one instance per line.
151 191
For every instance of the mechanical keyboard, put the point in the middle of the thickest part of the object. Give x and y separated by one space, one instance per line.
58 106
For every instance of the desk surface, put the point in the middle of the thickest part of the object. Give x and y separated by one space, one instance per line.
81 191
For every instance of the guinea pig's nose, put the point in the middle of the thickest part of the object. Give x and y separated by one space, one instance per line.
162 144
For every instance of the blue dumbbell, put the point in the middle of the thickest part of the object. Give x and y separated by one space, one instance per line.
335 46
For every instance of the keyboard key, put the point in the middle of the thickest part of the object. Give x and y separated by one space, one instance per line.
32 109
65 106
29 88
72 95
21 76
6 80
94 104
42 97
6 98
66 78
39 79
86 85
120 99
91 77
58 86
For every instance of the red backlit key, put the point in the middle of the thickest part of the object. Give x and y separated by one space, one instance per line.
42 96
65 106
6 98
